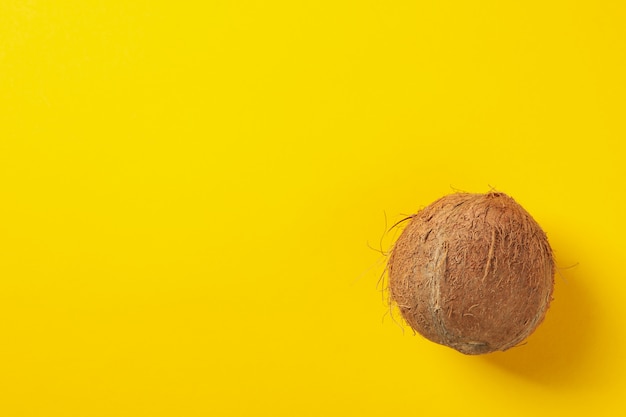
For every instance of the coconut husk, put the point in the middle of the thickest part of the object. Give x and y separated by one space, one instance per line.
474 272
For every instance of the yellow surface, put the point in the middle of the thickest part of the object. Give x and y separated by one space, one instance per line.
188 190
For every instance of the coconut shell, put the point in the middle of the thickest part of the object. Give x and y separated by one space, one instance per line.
474 272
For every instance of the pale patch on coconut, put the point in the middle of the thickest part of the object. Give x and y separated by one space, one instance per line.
473 272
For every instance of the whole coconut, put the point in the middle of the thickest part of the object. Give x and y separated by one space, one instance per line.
473 272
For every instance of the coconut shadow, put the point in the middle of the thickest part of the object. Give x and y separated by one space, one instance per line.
560 351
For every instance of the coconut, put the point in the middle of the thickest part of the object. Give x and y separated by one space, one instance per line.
474 272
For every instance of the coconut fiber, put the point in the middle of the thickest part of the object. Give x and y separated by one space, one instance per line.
473 272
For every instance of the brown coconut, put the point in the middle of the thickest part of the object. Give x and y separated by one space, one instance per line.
473 272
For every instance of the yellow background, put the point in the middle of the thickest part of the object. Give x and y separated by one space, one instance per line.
188 191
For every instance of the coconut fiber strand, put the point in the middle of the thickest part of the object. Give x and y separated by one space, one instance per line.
473 272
